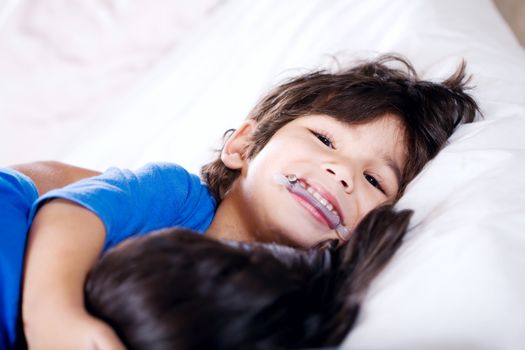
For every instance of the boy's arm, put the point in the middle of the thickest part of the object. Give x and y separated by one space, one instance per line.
48 175
66 239
64 242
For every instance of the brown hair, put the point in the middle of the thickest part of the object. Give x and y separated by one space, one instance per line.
429 111
181 290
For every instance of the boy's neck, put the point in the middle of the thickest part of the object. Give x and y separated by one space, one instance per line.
229 223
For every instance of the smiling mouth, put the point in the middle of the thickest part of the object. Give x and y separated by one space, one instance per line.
314 210
314 201
317 205
322 206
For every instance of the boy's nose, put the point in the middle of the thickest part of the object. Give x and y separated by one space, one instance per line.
343 177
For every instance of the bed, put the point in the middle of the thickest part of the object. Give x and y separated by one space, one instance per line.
102 83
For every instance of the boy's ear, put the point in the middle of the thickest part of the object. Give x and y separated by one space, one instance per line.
233 153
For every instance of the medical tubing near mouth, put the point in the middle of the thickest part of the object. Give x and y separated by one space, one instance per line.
292 184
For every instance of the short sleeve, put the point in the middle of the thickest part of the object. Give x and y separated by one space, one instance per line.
156 196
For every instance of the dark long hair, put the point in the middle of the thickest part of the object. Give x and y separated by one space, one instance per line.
179 290
389 84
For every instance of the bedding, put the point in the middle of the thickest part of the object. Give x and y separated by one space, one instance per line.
106 92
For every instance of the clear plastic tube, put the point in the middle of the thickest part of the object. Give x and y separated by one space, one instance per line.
292 184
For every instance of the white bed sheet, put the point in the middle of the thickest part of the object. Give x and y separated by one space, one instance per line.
459 278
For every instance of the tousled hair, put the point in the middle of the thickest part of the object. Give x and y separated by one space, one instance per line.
429 111
177 289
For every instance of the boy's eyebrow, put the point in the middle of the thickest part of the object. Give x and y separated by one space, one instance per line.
390 163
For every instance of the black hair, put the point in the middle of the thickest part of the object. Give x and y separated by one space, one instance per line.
429 111
176 289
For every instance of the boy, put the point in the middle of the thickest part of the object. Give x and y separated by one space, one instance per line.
179 290
347 142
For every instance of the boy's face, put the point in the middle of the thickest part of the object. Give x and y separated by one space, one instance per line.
349 168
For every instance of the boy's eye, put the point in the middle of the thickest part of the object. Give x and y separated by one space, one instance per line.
374 182
324 139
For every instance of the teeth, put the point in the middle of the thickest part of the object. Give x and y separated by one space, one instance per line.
319 197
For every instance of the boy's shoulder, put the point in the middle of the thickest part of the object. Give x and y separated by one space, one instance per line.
164 167
166 171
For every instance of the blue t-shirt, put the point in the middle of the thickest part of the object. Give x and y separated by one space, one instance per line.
17 194
129 203
158 195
